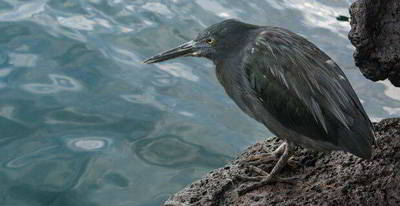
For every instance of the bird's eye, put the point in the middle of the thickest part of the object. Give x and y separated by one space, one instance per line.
210 41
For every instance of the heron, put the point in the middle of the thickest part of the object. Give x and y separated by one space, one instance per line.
285 82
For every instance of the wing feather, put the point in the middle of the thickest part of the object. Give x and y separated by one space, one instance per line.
306 91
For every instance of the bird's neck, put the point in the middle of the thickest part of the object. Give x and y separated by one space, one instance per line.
229 56
228 69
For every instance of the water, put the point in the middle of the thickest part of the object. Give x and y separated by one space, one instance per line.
83 122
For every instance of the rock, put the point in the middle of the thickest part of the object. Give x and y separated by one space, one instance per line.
335 178
375 32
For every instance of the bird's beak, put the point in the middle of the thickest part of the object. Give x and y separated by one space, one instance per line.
186 49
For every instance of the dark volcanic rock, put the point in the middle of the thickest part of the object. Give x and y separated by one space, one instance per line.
333 178
375 32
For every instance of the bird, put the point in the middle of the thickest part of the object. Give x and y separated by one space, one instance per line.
287 83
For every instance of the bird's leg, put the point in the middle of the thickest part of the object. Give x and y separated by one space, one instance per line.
266 157
271 177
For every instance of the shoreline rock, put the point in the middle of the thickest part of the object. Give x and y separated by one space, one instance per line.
335 178
375 26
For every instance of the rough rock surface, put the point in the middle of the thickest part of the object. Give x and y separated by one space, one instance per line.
375 32
333 178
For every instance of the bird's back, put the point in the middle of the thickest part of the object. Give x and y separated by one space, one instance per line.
286 82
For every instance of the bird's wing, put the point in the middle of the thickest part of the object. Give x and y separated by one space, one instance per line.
306 91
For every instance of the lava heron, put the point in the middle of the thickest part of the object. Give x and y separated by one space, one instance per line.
286 83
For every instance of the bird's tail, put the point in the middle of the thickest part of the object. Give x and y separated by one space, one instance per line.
358 140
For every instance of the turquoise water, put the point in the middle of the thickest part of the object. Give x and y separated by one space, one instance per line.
83 122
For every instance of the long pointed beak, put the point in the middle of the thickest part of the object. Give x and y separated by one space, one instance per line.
185 49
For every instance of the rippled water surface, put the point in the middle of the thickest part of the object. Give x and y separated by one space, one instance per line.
83 122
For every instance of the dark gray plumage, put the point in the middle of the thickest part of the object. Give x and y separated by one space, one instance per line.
285 82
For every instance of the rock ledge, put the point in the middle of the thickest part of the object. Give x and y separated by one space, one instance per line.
333 178
375 26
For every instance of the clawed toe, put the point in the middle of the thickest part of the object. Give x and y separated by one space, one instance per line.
248 178
259 159
288 180
264 180
265 158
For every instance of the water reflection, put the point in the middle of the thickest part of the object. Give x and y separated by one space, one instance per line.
22 11
163 79
148 98
5 72
73 116
89 143
185 113
390 90
123 55
3 58
158 8
216 8
319 15
77 22
65 83
7 111
392 110
178 70
23 60
174 152
116 179
81 141
392 105
82 122
38 195
59 83
30 158
41 88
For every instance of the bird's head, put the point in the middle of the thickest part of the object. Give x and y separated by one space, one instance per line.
214 43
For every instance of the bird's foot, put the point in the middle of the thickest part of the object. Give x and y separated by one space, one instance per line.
259 159
264 180
264 158
263 175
